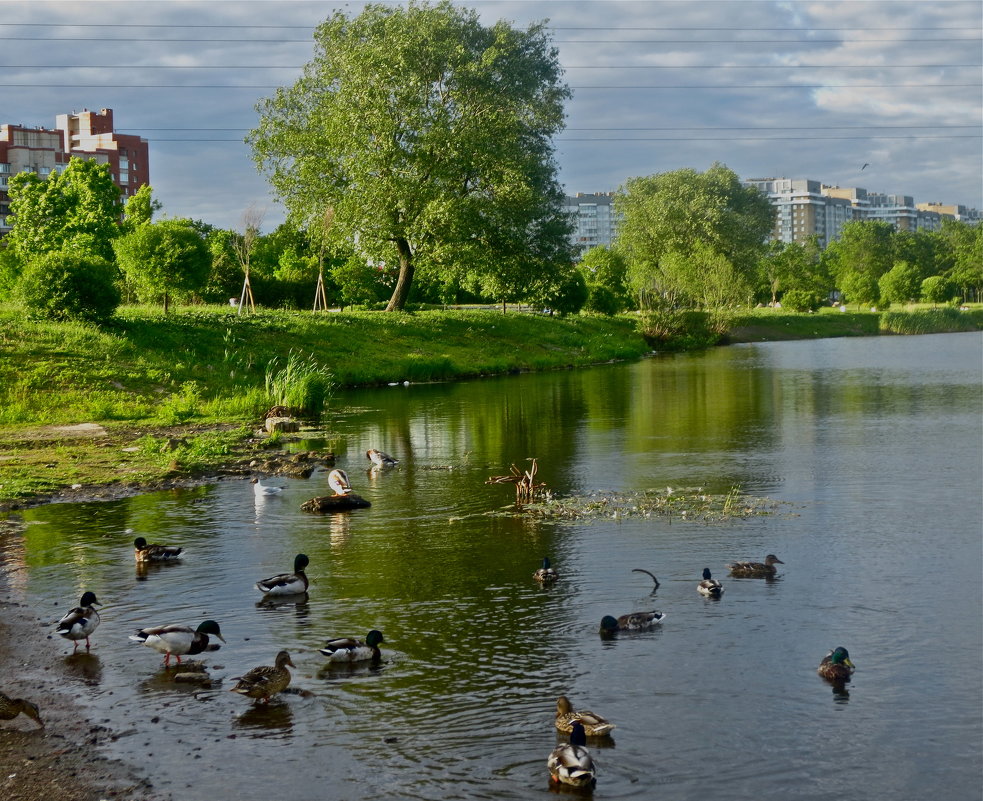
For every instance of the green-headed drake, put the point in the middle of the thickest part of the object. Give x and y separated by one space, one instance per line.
295 583
546 574
636 621
180 640
836 665
80 622
709 586
348 649
571 763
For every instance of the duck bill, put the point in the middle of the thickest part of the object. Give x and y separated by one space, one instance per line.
849 664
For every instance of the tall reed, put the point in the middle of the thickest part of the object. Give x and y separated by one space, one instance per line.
301 384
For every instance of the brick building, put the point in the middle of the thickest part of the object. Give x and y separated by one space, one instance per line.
87 134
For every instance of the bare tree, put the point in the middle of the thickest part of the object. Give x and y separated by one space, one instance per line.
252 221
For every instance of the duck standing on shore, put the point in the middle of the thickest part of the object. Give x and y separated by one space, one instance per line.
80 622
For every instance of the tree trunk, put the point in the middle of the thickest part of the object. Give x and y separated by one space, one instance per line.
403 283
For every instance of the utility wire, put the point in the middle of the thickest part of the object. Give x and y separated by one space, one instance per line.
568 67
576 88
948 40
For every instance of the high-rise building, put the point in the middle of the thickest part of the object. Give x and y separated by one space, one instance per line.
594 219
87 134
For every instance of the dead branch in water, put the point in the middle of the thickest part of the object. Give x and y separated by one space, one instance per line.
642 570
525 482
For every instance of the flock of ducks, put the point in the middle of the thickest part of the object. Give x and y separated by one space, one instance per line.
568 763
571 763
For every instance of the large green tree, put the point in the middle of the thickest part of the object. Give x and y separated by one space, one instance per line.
429 136
965 247
164 259
680 228
78 207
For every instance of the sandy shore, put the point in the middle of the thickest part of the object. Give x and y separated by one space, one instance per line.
63 761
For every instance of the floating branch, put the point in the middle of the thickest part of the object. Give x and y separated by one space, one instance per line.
526 487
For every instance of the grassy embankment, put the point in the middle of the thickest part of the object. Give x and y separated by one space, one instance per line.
199 369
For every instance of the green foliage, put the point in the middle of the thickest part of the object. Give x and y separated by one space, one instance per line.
181 406
76 208
140 208
605 272
794 266
928 321
965 244
675 329
800 300
302 385
937 289
901 284
678 224
358 282
427 135
66 285
10 270
859 287
164 259
865 247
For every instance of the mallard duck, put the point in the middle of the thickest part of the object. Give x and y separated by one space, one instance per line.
80 622
143 552
710 586
636 621
755 569
266 681
338 481
546 574
836 665
295 583
348 649
10 708
261 489
571 763
594 725
179 640
380 458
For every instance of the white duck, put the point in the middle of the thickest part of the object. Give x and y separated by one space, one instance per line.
380 458
338 481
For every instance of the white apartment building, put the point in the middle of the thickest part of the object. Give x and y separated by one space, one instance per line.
594 219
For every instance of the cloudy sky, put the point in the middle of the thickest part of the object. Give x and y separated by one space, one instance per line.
796 88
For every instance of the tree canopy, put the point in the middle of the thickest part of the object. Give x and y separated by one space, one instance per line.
683 229
77 207
164 258
429 135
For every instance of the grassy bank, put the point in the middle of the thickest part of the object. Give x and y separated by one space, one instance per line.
178 395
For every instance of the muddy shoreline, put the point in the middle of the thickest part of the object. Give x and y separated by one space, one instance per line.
65 760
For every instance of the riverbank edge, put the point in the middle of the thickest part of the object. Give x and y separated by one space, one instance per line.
28 443
65 760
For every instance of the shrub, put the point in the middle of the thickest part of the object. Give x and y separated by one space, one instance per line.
69 286
303 386
800 300
937 289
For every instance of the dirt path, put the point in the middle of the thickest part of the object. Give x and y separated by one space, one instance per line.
64 760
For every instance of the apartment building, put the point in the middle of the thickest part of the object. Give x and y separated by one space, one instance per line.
87 134
594 219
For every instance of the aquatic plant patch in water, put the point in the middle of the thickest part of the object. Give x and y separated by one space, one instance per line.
669 502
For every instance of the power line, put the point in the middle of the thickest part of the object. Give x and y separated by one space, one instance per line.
674 128
576 88
948 40
266 27
568 67
561 138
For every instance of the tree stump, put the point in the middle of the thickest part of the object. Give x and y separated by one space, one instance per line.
334 503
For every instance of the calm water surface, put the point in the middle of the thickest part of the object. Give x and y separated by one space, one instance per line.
875 445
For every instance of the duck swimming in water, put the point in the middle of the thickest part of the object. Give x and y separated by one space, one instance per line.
566 717
709 586
143 552
755 569
836 665
348 649
295 583
546 574
636 621
571 763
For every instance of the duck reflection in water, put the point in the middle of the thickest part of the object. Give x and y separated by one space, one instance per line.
85 666
146 569
266 719
275 603
340 528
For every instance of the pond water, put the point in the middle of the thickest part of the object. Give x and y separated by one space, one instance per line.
873 445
